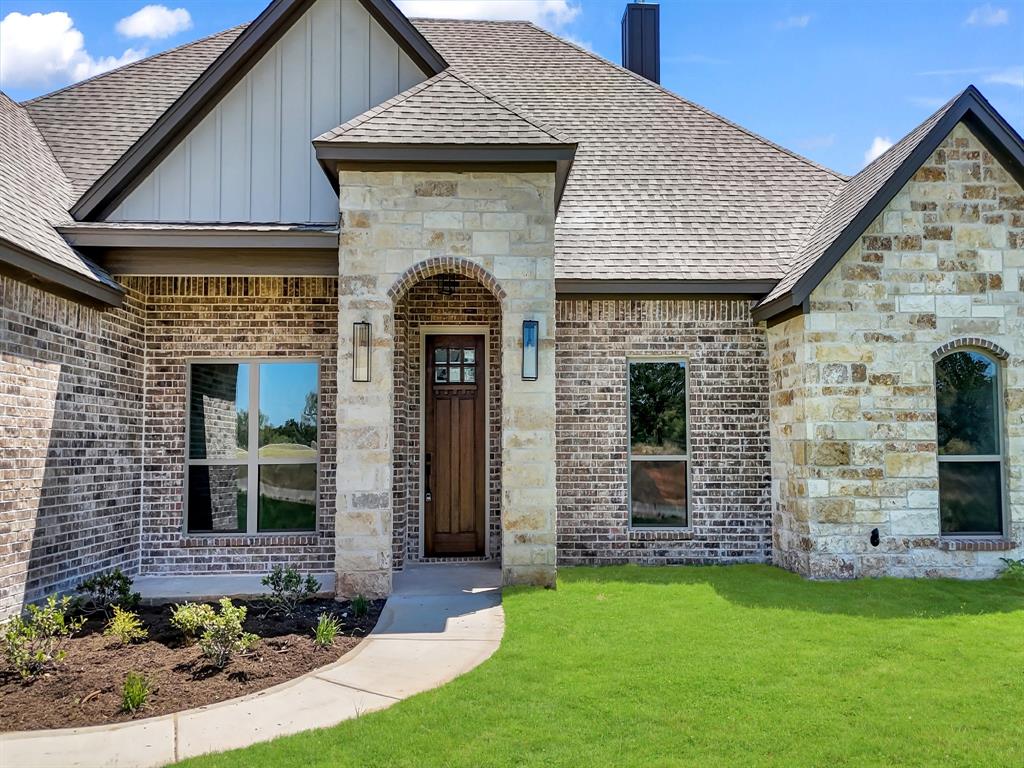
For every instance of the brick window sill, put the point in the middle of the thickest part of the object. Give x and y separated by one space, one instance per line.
310 539
976 544
636 534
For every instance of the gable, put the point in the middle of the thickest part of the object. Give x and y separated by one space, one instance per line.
250 158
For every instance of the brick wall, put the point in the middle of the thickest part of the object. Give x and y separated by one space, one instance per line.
470 305
70 441
853 390
190 318
729 440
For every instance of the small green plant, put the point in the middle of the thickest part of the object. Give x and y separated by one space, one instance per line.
1014 569
105 591
190 618
134 693
35 641
288 589
327 628
126 627
223 635
360 605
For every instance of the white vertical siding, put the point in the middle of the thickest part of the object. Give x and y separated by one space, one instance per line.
250 159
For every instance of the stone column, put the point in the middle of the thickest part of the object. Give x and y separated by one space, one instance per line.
365 427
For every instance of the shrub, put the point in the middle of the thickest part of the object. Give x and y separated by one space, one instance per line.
360 605
34 642
223 634
126 627
1014 569
105 591
190 618
134 693
288 589
327 628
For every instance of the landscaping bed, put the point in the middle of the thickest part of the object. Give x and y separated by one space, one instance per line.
86 688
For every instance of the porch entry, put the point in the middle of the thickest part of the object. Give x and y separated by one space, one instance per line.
455 446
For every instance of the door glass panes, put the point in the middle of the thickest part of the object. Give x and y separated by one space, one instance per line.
454 365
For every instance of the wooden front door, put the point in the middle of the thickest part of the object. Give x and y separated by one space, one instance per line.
455 446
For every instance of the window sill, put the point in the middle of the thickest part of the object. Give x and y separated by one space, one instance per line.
976 544
290 539
660 534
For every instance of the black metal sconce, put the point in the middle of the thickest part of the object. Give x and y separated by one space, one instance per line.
531 332
361 342
446 284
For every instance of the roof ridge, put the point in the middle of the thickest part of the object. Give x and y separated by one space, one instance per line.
130 64
384 106
674 95
515 110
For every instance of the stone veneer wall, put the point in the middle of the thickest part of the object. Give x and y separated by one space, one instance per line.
398 227
469 305
728 429
853 395
70 441
190 318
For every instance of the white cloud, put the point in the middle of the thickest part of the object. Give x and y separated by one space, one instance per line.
1009 76
155 22
794 22
987 15
547 13
43 49
877 148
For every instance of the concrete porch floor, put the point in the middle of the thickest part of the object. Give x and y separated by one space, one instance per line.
441 621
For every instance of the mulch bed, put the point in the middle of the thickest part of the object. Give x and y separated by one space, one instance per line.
86 688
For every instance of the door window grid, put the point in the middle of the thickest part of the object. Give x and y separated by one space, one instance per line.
455 365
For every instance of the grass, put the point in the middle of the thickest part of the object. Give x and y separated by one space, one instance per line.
738 666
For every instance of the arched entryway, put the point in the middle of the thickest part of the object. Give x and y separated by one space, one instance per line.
447 414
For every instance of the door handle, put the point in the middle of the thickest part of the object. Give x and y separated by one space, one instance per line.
426 479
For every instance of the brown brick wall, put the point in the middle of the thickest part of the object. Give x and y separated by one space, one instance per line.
470 304
729 440
70 440
190 318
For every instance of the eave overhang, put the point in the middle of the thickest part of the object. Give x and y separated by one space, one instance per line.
52 276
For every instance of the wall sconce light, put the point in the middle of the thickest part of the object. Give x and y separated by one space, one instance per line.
361 351
531 330
446 284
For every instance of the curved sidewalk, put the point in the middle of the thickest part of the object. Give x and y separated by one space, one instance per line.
442 621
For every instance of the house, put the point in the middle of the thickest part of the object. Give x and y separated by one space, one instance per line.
492 297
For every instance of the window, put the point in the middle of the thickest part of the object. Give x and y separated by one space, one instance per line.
658 453
970 448
250 475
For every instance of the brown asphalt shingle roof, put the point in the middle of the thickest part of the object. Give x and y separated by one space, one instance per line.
445 109
90 124
660 188
35 195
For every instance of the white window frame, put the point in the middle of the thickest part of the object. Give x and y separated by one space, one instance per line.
685 362
252 461
999 458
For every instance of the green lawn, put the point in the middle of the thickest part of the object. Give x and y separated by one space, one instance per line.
739 666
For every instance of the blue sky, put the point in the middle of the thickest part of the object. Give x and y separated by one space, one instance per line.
829 80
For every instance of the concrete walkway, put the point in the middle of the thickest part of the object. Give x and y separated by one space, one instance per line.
442 621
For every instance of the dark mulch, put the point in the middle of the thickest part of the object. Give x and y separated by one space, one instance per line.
86 688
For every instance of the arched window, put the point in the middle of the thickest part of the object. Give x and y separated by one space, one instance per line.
967 393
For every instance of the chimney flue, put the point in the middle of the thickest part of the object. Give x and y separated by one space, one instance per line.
641 40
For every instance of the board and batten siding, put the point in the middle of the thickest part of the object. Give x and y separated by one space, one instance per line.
250 159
